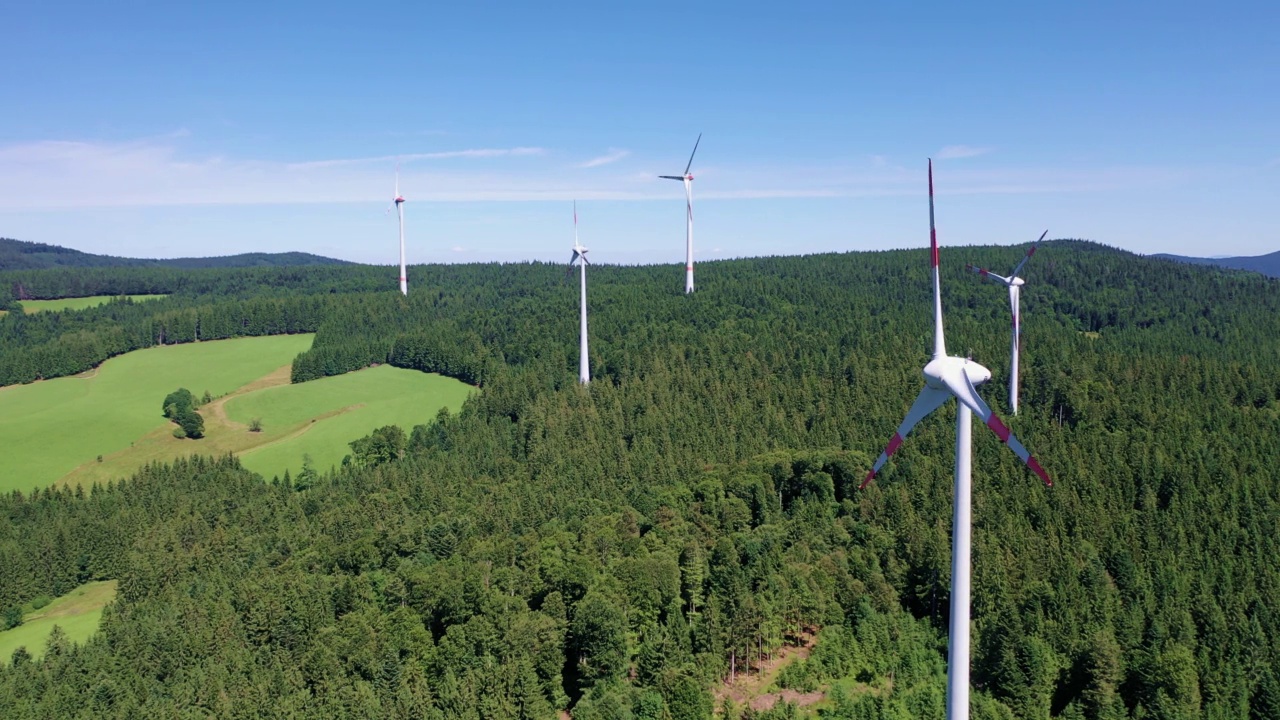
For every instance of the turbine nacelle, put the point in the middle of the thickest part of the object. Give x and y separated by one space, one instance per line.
938 369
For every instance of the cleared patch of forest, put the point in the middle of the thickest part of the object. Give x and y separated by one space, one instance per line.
77 615
32 307
318 419
50 428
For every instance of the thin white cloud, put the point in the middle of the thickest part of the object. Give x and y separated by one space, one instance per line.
458 249
447 154
158 172
614 155
956 152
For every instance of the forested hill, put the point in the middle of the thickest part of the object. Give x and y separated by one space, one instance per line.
20 255
619 550
1268 264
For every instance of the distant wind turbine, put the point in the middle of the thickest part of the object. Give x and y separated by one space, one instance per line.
398 202
946 377
1014 283
580 257
687 179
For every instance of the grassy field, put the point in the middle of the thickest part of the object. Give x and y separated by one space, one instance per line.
320 417
77 613
49 429
31 307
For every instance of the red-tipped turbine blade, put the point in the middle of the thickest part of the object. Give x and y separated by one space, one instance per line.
939 341
966 393
926 402
1030 251
988 274
933 232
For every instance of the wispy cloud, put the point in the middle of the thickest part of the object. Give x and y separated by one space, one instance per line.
956 152
160 171
614 155
408 158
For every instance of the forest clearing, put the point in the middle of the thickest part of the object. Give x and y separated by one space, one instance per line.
53 427
32 307
77 613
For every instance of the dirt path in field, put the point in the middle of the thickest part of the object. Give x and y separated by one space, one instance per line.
222 435
217 411
748 688
302 430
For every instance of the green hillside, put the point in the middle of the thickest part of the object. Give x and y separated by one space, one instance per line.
77 614
20 255
328 414
50 428
621 550
78 303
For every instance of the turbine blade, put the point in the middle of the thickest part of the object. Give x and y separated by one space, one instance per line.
988 274
926 402
959 384
671 177
695 152
1030 251
939 343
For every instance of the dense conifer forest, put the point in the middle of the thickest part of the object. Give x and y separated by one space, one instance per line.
619 550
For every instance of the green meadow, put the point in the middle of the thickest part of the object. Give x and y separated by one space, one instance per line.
31 307
322 416
49 428
77 613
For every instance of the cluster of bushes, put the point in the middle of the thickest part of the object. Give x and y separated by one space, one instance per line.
180 407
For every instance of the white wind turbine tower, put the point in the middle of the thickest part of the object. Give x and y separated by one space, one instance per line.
398 202
1014 283
946 377
580 257
687 179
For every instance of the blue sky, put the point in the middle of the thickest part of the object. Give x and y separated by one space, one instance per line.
157 130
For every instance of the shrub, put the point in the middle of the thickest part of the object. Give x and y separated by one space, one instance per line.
40 601
176 401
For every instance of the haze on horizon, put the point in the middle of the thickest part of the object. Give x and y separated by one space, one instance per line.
166 131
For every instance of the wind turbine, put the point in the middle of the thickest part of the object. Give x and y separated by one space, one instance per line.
687 179
580 257
946 377
398 202
1014 283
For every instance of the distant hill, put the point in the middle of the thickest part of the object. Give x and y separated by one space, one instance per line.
21 255
1268 265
